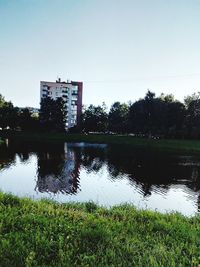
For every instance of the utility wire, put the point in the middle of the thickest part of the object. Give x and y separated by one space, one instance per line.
144 78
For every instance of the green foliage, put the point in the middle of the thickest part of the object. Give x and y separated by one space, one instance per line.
44 233
161 116
53 115
16 118
26 121
95 119
118 118
150 116
190 98
8 115
90 206
2 101
192 120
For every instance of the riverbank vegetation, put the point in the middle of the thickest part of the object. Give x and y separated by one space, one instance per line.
43 233
174 145
152 116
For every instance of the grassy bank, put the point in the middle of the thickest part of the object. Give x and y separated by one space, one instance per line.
161 144
44 233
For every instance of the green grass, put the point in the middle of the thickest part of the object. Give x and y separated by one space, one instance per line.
43 233
161 144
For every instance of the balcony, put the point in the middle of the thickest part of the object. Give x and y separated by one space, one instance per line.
65 96
74 94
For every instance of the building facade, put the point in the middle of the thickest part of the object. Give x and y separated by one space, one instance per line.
70 92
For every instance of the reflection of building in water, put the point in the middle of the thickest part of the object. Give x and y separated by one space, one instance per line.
58 171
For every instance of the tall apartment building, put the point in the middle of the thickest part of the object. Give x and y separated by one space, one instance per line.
70 92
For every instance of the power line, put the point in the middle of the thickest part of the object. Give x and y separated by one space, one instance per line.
144 78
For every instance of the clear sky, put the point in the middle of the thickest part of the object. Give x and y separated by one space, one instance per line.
118 48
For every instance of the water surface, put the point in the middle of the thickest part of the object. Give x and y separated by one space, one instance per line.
105 174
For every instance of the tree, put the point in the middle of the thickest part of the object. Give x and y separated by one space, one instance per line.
118 117
59 115
2 101
149 96
192 119
53 114
144 115
174 116
26 120
163 116
13 117
95 119
167 98
8 114
190 98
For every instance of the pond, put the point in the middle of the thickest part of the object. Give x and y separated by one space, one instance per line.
106 174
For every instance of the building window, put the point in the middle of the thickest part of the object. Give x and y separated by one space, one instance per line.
74 92
73 102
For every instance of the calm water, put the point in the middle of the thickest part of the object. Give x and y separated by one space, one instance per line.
108 175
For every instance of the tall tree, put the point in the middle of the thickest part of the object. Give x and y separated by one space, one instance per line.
174 117
27 121
59 115
53 114
191 98
2 101
144 115
95 119
157 116
118 117
8 115
192 120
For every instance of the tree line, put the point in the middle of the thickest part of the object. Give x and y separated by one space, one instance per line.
51 117
16 118
151 116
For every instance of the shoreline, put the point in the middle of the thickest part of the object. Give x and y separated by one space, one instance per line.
173 145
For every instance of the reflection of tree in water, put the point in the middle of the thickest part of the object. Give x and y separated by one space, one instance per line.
7 157
93 158
149 170
24 156
58 171
153 170
11 150
9 153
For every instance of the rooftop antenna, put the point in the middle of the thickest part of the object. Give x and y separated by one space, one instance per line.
58 79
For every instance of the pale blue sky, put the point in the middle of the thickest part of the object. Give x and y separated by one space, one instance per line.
118 48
